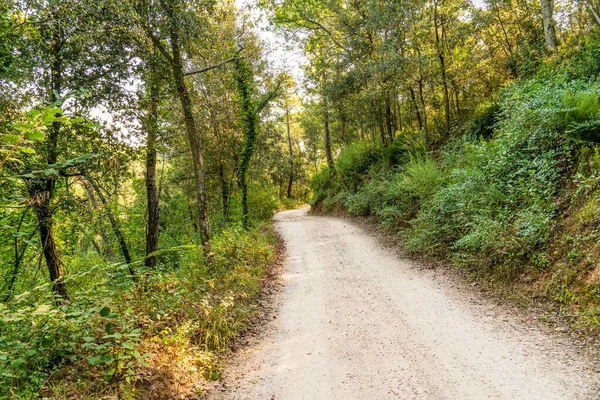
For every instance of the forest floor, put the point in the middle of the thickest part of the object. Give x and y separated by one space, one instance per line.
357 320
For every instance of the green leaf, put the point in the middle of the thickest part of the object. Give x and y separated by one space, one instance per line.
22 127
88 339
33 114
105 311
17 363
27 150
107 358
50 172
128 345
35 135
94 360
10 138
109 374
42 309
30 352
108 328
50 114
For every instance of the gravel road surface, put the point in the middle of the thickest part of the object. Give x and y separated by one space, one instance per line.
356 321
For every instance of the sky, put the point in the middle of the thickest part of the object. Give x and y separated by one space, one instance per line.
281 55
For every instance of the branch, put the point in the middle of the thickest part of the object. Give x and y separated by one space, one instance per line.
594 12
205 69
157 43
268 97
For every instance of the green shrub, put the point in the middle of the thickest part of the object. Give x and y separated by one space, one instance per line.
485 120
422 177
353 163
320 184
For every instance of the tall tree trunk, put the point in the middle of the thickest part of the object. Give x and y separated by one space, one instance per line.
248 110
416 107
224 191
423 112
190 124
152 200
116 227
290 148
549 24
43 191
381 124
106 243
330 164
389 122
440 50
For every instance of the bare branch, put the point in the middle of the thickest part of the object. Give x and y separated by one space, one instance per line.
205 69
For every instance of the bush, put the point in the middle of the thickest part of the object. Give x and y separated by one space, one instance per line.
353 163
484 123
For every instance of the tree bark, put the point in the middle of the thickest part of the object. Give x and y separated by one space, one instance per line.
190 124
105 242
224 192
152 200
116 227
549 24
42 192
291 150
423 111
389 122
326 138
416 107
381 124
440 50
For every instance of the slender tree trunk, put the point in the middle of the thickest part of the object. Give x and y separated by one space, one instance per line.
440 50
549 24
416 107
43 191
389 122
291 150
381 124
224 192
49 249
116 227
424 112
330 164
105 242
190 124
249 113
152 200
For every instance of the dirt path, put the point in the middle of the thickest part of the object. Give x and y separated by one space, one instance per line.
357 322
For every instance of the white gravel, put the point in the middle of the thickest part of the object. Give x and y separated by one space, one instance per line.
355 321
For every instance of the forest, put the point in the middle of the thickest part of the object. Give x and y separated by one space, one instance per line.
146 144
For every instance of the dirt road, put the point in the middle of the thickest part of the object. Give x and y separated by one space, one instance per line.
357 322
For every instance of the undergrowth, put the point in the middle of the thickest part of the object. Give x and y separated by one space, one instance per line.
513 198
153 339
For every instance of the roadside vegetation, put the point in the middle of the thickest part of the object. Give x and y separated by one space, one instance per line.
471 130
144 147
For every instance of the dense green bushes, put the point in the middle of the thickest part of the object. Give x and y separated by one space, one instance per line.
489 199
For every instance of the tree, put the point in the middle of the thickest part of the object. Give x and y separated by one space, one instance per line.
549 24
174 30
